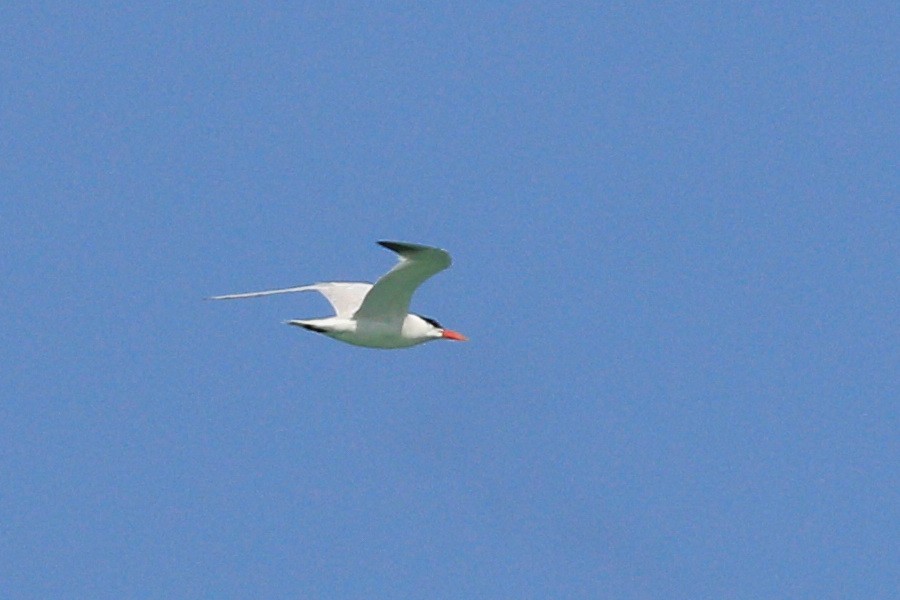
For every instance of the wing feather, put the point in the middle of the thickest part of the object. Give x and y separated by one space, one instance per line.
344 297
388 300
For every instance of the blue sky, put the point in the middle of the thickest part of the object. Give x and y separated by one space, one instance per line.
674 230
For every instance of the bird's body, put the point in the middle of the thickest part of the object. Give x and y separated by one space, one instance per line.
414 330
377 316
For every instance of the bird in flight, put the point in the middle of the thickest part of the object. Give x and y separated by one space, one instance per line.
377 316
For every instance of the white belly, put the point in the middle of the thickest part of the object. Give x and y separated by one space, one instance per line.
377 335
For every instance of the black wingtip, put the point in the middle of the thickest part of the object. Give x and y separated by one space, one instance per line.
402 247
393 246
306 326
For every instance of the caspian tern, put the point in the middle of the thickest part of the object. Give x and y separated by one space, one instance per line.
377 316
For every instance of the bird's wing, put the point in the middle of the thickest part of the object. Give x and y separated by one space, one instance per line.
345 297
388 300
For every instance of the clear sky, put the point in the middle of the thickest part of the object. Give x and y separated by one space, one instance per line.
675 237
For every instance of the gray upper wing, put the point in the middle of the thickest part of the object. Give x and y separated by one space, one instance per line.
388 300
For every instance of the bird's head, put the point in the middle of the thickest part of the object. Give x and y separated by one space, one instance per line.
435 330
